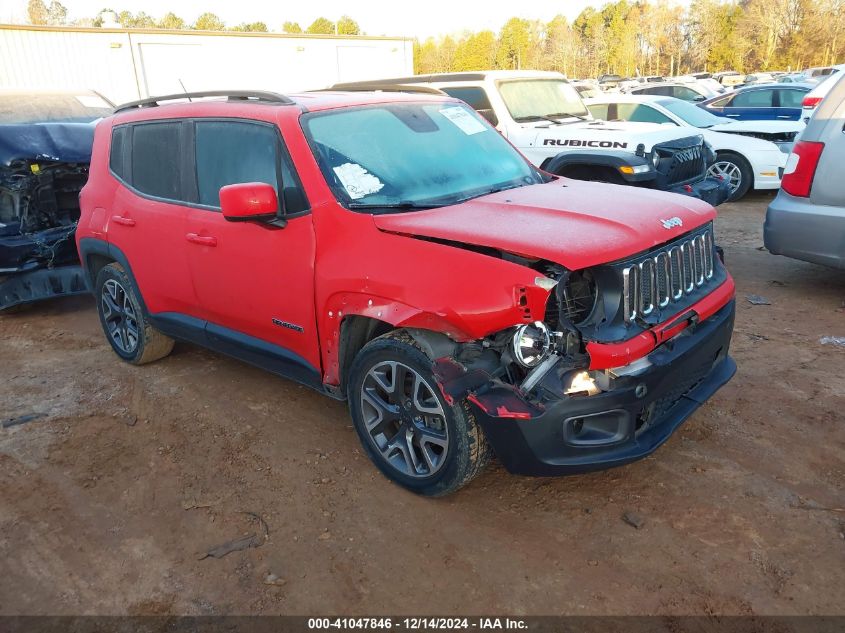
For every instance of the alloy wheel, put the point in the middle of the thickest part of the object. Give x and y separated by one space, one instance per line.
727 171
119 316
404 419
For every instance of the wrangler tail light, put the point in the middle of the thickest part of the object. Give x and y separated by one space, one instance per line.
810 102
801 168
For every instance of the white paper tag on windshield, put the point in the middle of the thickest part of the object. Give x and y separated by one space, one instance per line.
463 119
357 181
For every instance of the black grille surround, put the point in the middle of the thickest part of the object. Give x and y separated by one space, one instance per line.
649 288
682 162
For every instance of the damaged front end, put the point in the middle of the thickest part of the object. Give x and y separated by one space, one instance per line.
611 371
43 167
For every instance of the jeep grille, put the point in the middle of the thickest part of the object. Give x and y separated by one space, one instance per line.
681 164
667 275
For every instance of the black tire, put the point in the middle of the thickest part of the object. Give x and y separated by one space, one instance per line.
124 323
734 161
466 450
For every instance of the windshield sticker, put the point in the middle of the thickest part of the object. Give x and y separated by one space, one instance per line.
92 101
357 181
464 120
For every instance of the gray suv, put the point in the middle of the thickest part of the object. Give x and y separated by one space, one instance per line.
807 218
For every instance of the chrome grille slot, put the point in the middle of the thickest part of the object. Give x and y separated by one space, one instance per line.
666 275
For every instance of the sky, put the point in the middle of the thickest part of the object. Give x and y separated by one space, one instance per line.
411 19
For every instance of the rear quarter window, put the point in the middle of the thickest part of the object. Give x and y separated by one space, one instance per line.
118 153
155 159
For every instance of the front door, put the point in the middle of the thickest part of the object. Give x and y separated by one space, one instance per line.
254 281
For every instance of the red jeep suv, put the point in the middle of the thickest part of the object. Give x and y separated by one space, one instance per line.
395 251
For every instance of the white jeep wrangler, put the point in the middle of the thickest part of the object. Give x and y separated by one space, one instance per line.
545 118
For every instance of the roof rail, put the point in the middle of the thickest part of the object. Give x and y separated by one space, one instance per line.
364 86
231 95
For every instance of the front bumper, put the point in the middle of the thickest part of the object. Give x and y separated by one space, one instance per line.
583 433
712 190
41 283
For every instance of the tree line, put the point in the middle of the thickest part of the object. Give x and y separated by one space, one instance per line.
654 37
55 14
627 37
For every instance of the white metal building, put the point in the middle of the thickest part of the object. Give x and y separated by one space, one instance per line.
128 64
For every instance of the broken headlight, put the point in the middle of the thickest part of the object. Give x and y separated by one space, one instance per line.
531 344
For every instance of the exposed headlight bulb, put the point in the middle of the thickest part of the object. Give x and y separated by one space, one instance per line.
582 382
531 343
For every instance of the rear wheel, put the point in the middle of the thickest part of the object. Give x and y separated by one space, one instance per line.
124 323
735 170
407 429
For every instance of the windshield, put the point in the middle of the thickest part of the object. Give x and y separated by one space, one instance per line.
534 99
692 114
20 107
407 155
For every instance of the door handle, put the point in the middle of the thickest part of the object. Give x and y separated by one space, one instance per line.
203 240
119 219
784 116
733 115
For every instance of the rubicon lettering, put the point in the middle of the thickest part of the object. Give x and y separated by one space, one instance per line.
574 142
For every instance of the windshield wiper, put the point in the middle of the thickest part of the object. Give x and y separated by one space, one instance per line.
567 114
393 205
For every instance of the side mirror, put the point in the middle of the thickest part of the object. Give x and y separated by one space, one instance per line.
699 98
245 201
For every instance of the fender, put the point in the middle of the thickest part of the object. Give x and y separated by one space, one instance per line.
420 321
606 158
92 246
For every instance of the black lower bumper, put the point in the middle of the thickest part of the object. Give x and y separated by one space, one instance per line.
712 190
41 283
630 421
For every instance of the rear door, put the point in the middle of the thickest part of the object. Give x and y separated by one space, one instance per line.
254 281
753 105
789 103
148 214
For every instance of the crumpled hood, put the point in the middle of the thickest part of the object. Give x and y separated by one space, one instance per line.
55 142
574 223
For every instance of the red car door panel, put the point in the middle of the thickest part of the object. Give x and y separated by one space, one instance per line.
251 278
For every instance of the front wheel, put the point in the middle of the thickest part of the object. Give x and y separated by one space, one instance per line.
407 429
735 170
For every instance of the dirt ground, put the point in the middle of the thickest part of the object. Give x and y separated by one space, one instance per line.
108 500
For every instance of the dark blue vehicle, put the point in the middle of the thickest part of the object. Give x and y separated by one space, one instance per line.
763 102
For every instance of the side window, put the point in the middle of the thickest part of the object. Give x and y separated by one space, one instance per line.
753 99
230 152
791 98
599 111
641 113
476 98
155 159
119 150
682 92
724 102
